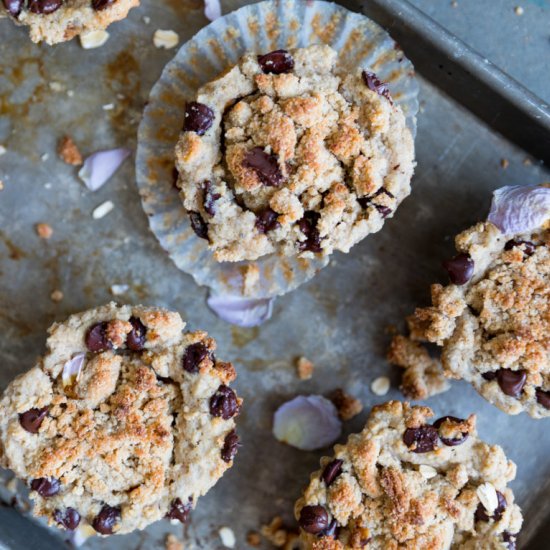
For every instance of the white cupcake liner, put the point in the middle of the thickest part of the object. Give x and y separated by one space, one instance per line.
261 28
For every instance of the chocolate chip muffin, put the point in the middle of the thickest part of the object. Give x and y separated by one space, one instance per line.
289 153
54 21
407 482
493 320
124 421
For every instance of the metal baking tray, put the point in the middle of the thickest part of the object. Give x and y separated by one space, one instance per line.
472 116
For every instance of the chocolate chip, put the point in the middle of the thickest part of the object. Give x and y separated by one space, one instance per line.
528 247
200 227
44 7
106 520
331 530
481 512
13 7
308 226
489 376
460 268
230 446
265 165
224 403
385 211
198 118
313 519
510 538
68 518
455 440
423 439
136 337
99 5
511 382
276 62
179 510
96 338
31 420
543 398
266 220
193 357
376 85
332 471
209 197
46 486
364 202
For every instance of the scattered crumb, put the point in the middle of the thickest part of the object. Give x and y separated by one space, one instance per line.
102 210
70 93
44 157
173 543
56 86
68 151
146 19
278 535
3 150
527 162
93 39
380 386
1 185
504 163
347 405
108 107
47 185
165 39
454 4
43 230
253 538
427 471
11 485
304 367
423 376
518 10
117 290
56 296
227 537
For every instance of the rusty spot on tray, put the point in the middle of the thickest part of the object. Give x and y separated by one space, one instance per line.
241 337
14 252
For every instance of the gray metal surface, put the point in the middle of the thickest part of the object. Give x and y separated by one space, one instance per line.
339 320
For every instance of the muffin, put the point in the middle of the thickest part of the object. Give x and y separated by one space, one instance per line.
125 420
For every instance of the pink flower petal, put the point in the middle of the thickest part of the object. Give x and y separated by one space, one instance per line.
307 423
212 9
520 208
244 312
72 369
100 166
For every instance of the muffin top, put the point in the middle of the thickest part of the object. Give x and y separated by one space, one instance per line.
404 482
124 421
283 153
494 320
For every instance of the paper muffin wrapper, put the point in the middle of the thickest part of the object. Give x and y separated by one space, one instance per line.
260 28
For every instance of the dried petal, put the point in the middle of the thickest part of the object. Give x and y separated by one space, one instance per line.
99 167
244 312
212 9
72 369
307 423
520 208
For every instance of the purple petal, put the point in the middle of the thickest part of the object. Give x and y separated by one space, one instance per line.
72 369
244 312
520 208
212 9
100 166
307 423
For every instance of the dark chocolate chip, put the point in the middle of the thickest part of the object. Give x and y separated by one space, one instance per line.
489 376
224 403
376 85
543 398
179 510
96 338
136 337
331 530
68 518
266 220
106 520
200 227
385 211
276 62
460 268
230 446
455 440
528 246
100 5
313 519
265 165
31 420
46 486
308 226
510 538
424 439
13 7
332 471
511 382
44 7
198 118
193 356
481 512
209 197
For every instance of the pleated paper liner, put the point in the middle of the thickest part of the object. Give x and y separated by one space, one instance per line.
258 28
